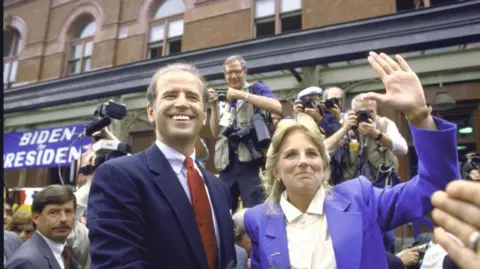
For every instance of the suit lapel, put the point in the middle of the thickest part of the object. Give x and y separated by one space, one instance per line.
168 183
276 244
346 231
47 253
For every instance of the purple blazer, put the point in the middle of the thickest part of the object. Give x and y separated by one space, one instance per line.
357 213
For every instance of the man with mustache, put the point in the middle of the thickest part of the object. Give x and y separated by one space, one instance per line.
53 214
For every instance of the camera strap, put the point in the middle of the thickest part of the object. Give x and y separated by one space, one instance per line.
255 109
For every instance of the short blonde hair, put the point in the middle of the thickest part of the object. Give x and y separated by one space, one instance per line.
20 217
273 186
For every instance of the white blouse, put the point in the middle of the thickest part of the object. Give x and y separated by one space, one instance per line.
309 242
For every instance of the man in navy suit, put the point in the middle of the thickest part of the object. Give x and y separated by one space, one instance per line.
157 208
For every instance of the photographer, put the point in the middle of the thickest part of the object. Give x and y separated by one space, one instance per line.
309 101
378 142
471 168
374 147
87 166
334 97
242 132
78 238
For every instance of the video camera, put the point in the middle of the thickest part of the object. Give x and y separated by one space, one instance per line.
104 114
104 148
256 137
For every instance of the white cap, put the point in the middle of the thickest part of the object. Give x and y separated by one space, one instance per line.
309 91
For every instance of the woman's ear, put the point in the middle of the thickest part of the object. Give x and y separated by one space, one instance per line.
275 174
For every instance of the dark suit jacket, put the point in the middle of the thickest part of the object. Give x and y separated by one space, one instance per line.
11 241
139 216
34 254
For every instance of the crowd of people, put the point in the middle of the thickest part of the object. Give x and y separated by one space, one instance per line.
316 189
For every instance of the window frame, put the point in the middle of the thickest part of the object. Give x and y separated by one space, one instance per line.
277 16
164 42
75 41
12 57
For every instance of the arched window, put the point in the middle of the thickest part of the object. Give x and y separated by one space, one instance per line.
11 49
81 46
166 29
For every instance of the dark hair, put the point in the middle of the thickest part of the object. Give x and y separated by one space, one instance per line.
53 195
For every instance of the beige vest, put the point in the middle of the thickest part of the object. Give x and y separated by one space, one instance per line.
242 113
375 152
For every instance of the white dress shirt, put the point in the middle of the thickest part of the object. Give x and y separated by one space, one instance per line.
56 248
82 199
399 144
309 242
176 160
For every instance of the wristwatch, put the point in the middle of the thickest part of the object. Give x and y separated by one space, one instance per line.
379 136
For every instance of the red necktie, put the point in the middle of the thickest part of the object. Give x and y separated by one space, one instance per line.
67 256
202 211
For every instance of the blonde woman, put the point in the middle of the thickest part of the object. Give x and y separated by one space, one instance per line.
305 223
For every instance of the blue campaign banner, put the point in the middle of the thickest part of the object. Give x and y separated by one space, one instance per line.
50 147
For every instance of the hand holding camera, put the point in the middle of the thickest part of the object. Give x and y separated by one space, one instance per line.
310 107
350 121
409 257
368 129
332 105
365 124
212 97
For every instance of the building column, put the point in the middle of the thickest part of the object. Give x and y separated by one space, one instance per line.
310 76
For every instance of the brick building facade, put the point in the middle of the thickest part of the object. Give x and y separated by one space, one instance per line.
121 29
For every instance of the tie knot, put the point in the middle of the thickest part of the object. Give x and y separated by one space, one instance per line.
67 250
189 163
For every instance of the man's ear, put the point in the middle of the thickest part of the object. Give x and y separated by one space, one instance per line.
36 218
150 113
205 115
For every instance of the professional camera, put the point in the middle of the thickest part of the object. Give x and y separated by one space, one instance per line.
363 116
256 137
309 102
330 103
222 95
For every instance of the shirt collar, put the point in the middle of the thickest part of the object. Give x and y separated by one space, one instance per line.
175 158
315 207
247 85
57 248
